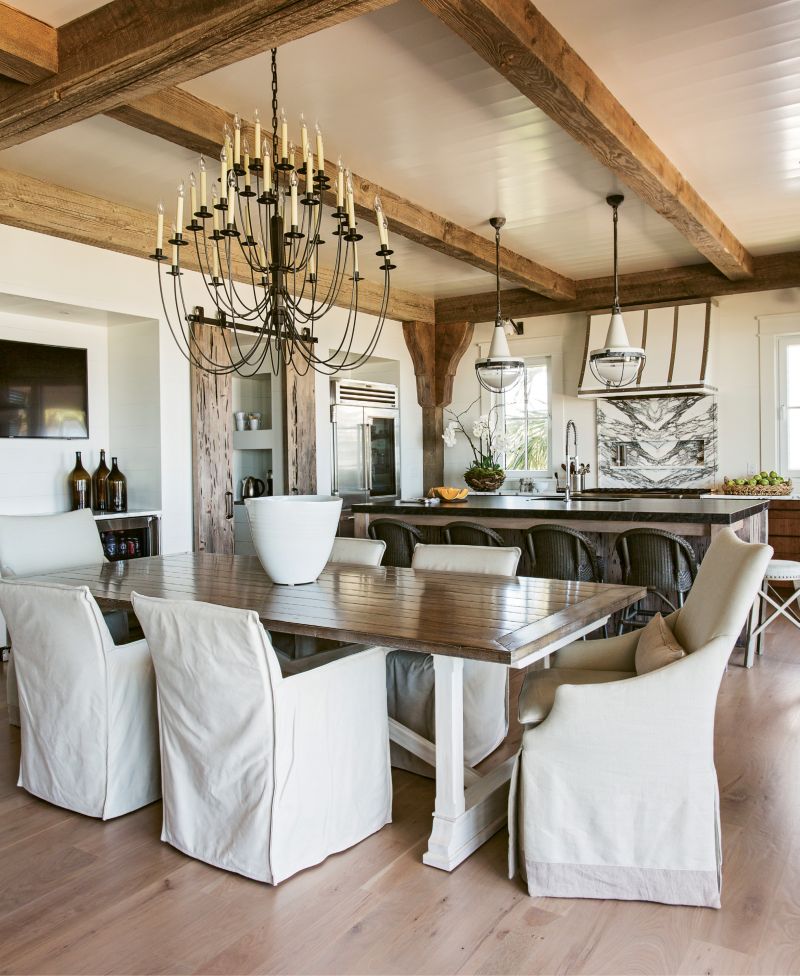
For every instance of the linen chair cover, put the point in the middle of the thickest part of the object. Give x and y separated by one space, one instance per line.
263 775
614 794
87 707
358 552
34 544
410 677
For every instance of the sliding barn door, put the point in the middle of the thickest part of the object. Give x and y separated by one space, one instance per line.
300 434
212 449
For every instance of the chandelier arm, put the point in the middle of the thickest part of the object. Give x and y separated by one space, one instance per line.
186 349
219 368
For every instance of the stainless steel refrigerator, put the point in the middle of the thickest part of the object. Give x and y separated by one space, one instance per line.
365 421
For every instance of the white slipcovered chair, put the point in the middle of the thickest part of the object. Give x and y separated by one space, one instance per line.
31 545
410 677
615 794
358 552
87 706
263 775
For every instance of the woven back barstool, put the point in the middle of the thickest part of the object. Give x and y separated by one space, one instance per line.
663 562
559 552
400 539
463 533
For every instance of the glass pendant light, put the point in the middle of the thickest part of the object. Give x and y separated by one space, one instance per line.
499 371
618 363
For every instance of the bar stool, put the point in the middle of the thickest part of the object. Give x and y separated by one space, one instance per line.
778 571
462 533
559 552
661 561
400 539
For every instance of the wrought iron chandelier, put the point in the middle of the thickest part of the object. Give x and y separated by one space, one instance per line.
499 371
260 262
618 363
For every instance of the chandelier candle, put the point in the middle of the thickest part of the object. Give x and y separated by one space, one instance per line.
160 227
203 186
320 150
304 137
260 238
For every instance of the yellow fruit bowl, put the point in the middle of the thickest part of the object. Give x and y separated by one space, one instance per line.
449 494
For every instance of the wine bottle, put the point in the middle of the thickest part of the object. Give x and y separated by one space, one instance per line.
117 487
80 485
99 487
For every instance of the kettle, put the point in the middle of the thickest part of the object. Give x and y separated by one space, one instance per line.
253 487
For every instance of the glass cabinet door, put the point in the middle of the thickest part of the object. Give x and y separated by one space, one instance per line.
383 455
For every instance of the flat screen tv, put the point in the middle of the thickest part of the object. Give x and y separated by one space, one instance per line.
43 391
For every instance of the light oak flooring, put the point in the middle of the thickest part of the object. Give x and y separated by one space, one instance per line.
81 896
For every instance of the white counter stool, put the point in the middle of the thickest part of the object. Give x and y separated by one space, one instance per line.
778 571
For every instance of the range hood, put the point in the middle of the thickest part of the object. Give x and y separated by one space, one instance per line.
677 342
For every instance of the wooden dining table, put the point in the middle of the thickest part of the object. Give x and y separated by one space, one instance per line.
512 621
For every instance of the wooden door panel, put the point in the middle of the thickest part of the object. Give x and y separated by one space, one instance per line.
212 447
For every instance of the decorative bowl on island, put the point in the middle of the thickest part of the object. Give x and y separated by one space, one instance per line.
449 494
293 534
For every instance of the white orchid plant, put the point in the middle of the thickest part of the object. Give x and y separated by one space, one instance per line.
488 444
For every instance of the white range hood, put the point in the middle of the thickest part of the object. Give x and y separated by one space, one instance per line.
677 340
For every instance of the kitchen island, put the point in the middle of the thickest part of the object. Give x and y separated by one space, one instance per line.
601 518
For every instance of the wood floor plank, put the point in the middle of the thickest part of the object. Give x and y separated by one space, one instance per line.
81 896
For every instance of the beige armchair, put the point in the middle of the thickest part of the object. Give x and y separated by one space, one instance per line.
615 792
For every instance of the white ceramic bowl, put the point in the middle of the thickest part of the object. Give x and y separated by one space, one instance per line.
293 534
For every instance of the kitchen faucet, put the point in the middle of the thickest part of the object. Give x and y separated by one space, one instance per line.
572 459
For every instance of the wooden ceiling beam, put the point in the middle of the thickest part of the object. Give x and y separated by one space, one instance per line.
129 48
699 281
190 122
515 39
28 47
49 209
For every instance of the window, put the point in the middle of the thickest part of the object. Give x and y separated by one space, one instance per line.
789 404
524 415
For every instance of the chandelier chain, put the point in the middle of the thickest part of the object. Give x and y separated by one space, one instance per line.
275 115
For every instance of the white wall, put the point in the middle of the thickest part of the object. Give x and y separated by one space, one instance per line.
734 361
42 267
134 411
33 473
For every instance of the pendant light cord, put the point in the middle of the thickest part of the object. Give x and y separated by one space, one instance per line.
498 317
616 269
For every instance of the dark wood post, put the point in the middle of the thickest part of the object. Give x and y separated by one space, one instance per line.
436 351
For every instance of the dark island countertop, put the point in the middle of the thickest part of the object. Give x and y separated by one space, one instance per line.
715 511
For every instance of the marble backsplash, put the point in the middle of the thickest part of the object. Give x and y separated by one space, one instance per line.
666 442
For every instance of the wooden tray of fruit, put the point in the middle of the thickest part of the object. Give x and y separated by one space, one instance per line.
765 483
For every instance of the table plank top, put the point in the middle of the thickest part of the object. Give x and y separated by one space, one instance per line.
487 618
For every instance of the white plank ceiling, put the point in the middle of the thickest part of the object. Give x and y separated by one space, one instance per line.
409 105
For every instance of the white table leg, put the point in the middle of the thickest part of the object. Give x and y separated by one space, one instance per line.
461 821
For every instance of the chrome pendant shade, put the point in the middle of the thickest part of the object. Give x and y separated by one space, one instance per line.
499 371
618 363
257 247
